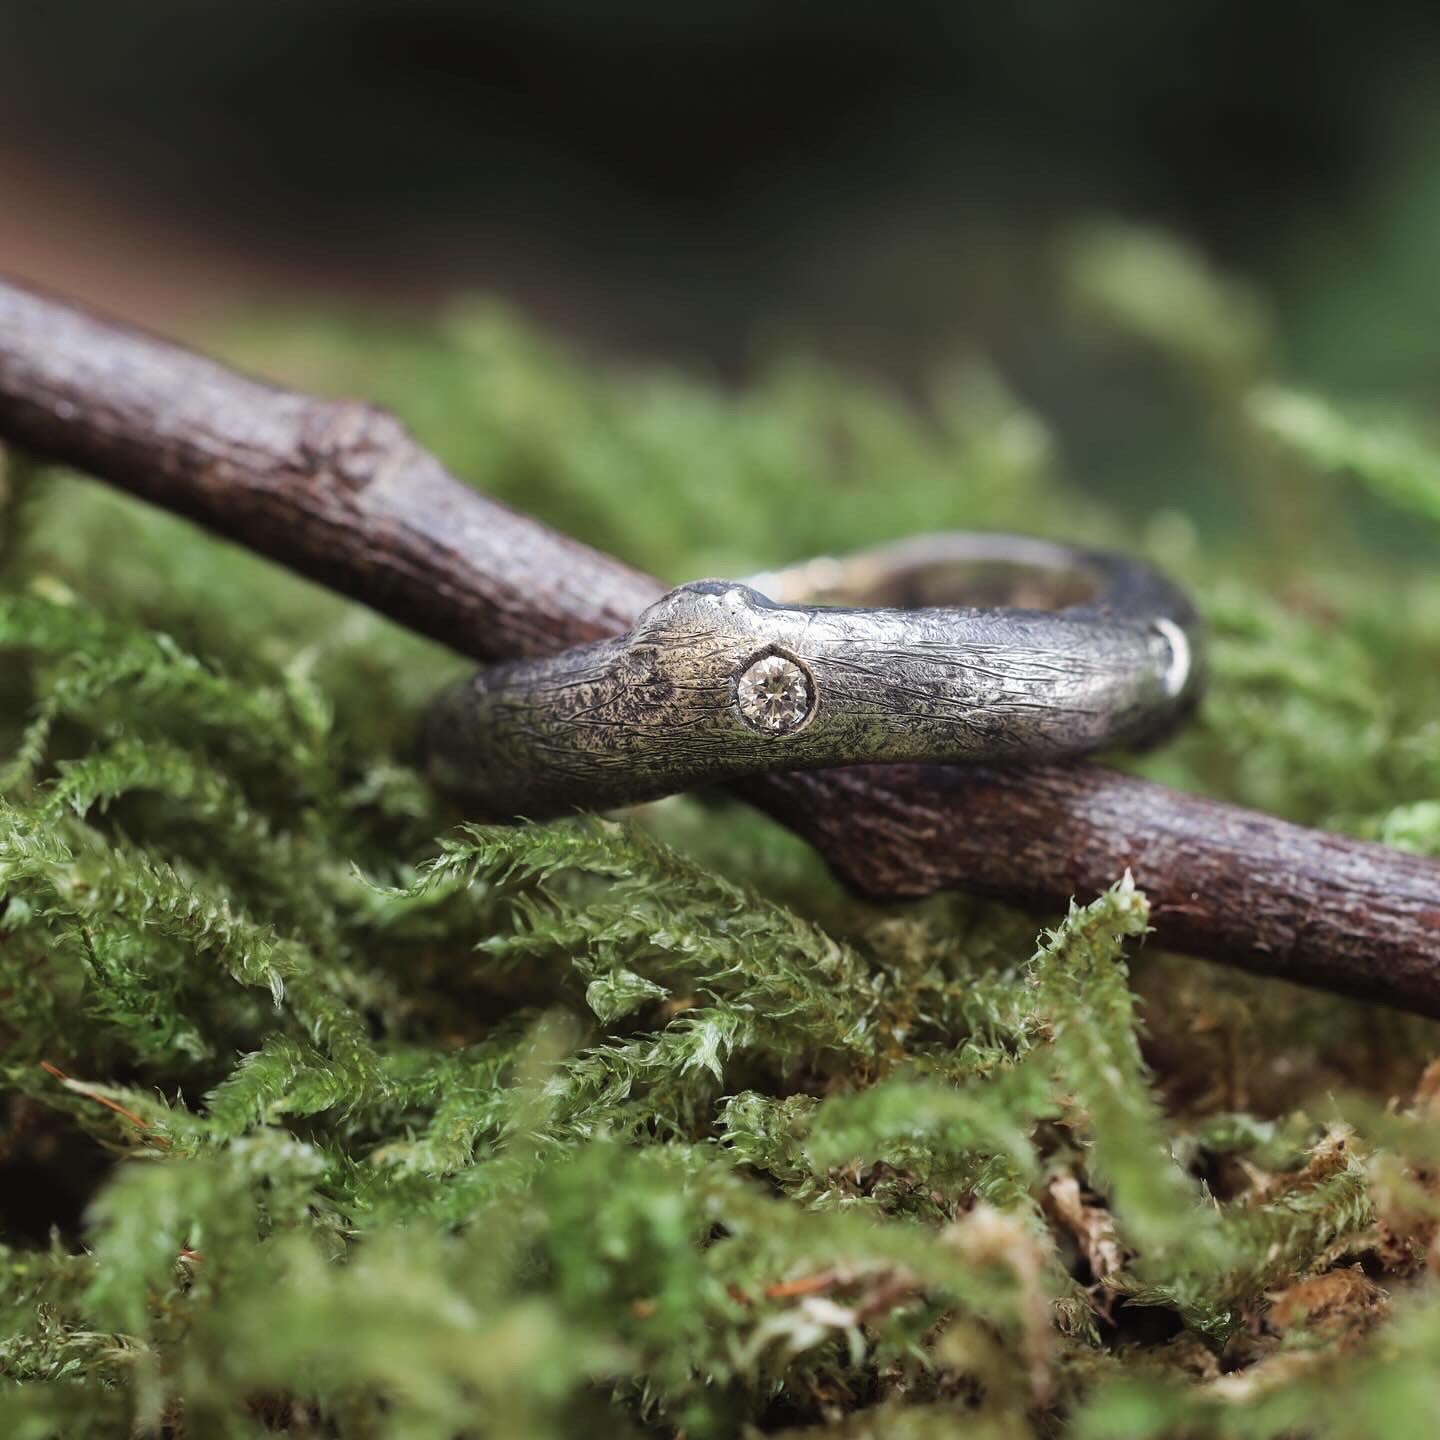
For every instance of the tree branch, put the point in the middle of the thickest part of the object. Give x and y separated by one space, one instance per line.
340 492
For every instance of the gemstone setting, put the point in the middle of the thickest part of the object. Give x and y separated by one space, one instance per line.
775 695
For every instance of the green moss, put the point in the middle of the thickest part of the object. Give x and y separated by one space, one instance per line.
327 1114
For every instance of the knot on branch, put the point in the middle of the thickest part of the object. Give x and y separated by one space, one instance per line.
352 443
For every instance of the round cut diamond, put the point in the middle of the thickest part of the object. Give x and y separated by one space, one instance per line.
774 695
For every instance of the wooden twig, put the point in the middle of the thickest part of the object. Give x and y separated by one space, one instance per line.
340 492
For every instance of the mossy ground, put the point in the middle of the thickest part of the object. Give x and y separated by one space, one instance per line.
326 1116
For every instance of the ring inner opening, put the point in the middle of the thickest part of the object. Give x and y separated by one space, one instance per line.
985 583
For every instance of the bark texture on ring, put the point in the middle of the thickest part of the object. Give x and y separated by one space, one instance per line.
661 709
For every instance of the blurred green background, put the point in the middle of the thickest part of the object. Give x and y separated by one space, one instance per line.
717 184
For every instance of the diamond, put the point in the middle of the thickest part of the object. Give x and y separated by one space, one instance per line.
774 695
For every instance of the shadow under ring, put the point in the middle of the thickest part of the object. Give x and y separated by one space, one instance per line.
951 647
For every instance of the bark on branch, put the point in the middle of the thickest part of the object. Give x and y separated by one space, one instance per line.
340 492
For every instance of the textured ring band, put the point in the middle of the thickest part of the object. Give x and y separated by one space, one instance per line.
969 647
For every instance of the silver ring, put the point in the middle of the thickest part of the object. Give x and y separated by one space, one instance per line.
954 647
